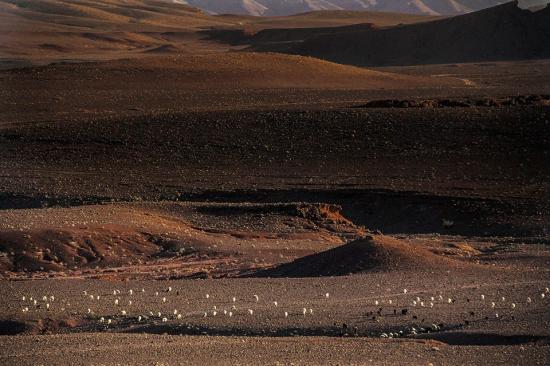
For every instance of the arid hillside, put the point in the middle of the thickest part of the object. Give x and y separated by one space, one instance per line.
60 30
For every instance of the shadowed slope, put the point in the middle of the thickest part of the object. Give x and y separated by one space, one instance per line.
501 33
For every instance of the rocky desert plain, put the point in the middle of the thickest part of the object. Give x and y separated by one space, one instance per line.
336 187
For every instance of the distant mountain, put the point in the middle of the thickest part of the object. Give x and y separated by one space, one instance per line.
290 7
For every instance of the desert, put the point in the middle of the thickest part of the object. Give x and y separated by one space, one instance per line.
316 185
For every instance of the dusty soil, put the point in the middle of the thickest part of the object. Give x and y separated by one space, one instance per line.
205 191
359 310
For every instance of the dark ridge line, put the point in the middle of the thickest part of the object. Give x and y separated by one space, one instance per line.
12 200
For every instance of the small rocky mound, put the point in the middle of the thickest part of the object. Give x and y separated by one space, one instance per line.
373 253
519 100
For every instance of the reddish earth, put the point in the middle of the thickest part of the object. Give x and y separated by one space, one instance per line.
167 240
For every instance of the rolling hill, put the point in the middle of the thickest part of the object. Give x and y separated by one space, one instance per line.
54 30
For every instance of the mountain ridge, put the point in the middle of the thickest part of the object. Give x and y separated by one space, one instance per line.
291 7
